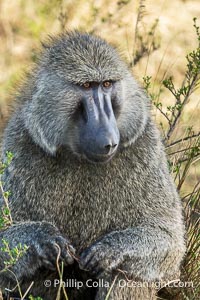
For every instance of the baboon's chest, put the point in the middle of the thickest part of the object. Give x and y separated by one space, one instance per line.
84 201
93 201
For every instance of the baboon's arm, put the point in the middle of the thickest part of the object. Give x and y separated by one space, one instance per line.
43 241
146 253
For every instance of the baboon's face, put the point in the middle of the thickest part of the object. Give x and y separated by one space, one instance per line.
84 99
81 83
97 135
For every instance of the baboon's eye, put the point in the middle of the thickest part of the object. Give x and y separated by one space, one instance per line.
107 84
87 85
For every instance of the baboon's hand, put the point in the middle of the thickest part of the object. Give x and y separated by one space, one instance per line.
45 244
51 249
102 256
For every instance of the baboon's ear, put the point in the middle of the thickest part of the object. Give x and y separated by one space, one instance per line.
41 138
41 130
44 142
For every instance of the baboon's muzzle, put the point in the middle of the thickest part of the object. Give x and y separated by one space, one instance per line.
99 134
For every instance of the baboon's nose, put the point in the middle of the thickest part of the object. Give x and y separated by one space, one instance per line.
110 147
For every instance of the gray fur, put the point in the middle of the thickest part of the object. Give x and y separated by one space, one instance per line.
125 214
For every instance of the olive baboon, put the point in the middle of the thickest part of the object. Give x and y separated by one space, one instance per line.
89 172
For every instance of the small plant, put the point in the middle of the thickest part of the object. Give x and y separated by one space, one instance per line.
34 298
14 254
144 41
5 215
182 94
183 154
